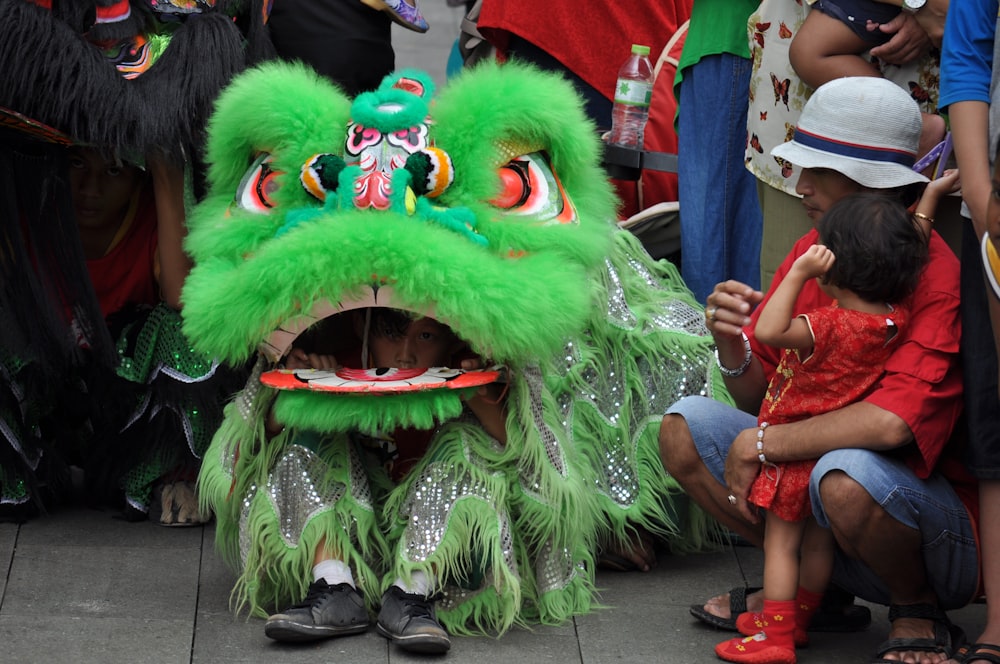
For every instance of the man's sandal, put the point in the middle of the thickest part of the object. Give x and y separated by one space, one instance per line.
737 605
947 636
850 618
978 652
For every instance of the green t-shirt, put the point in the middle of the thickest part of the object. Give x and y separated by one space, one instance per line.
717 26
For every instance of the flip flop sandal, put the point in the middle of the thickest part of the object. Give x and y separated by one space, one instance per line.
854 618
737 605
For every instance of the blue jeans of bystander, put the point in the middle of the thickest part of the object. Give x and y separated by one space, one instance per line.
721 222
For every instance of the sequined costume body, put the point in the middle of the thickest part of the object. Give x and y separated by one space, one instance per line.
489 212
488 523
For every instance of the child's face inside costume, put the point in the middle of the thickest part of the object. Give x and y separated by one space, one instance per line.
101 188
397 341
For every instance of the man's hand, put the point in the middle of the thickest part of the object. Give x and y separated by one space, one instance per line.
728 307
909 40
742 468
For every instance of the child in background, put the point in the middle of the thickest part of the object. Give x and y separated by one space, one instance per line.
831 42
131 224
130 415
831 357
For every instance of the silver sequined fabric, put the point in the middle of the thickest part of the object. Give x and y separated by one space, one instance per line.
554 569
619 313
431 503
298 492
532 377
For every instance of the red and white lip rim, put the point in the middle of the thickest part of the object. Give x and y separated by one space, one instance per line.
378 380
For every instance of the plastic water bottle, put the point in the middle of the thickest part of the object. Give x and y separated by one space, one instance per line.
632 93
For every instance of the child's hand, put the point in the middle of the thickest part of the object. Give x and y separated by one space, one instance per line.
490 392
299 359
948 183
815 262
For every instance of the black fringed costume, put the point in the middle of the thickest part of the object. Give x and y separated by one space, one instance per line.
129 402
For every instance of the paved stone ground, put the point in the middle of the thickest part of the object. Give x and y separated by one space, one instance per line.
83 586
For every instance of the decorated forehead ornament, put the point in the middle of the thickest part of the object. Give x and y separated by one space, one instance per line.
388 160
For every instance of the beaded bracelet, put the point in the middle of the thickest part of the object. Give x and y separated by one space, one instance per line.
742 369
760 443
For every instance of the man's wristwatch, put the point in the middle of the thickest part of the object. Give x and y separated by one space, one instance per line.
913 6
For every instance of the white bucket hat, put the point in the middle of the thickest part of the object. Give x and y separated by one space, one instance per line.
866 128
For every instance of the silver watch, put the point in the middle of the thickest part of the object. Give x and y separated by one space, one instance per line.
913 6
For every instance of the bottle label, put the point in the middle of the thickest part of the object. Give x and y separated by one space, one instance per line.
633 93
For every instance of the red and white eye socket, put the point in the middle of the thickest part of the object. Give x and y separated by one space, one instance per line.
258 186
530 188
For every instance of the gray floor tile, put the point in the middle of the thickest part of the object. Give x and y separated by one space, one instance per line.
88 639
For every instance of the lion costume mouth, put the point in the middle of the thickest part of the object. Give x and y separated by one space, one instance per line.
357 374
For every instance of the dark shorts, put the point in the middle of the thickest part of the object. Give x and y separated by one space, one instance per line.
856 14
348 42
979 365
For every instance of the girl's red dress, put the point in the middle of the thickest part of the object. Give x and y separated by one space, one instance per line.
849 352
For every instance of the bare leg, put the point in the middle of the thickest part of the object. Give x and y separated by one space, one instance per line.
865 531
782 543
825 48
816 564
681 460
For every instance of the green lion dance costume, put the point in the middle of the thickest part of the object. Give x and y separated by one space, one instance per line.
487 209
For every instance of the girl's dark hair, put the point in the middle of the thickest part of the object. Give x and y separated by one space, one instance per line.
880 250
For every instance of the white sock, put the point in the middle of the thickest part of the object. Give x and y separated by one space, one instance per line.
420 584
333 572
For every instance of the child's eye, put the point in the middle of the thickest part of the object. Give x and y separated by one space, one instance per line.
114 171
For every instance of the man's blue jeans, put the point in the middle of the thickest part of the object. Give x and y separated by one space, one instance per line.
721 223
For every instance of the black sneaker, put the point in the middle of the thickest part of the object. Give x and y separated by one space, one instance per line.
409 620
326 611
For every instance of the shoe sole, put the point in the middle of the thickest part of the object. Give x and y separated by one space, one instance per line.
292 632
421 643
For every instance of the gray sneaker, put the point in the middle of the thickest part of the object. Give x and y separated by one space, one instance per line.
326 611
409 620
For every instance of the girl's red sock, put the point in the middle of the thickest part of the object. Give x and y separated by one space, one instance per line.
775 644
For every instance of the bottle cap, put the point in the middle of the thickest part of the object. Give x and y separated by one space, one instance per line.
640 49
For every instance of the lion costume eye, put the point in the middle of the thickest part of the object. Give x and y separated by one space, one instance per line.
529 187
258 186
